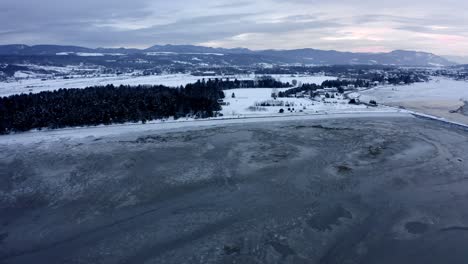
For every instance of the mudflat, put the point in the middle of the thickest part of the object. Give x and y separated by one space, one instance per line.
354 190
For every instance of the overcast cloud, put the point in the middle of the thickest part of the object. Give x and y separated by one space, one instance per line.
369 26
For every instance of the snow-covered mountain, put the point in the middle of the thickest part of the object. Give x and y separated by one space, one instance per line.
398 57
240 55
197 49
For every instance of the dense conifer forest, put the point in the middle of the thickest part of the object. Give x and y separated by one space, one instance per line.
110 104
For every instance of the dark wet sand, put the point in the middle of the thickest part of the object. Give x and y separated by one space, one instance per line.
357 190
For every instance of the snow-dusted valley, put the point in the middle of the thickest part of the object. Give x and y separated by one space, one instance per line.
233 132
24 82
302 171
216 156
238 103
257 164
440 95
364 82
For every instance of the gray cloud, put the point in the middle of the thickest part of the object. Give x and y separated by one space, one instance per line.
357 25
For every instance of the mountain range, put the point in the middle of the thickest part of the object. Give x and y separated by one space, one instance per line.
296 56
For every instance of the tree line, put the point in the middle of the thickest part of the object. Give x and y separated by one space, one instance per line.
104 105
117 104
303 88
343 83
260 82
363 83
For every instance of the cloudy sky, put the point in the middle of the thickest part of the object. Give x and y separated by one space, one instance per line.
438 26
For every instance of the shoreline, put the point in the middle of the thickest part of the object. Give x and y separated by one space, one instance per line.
166 126
175 125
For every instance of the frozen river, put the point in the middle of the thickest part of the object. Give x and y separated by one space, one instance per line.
349 190
440 97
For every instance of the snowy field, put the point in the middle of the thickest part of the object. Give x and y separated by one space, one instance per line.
36 85
248 102
437 97
434 90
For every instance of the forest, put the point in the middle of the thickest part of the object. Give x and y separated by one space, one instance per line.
117 104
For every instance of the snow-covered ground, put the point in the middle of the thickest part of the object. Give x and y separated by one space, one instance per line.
245 105
434 90
36 85
247 102
437 97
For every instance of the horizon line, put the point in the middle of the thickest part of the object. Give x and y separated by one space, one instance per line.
219 47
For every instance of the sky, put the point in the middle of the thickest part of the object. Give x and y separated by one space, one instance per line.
434 26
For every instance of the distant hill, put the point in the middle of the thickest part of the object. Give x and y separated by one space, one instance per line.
398 57
457 59
40 49
297 56
196 49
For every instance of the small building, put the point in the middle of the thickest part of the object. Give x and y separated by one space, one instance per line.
300 94
321 91
331 90
221 102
